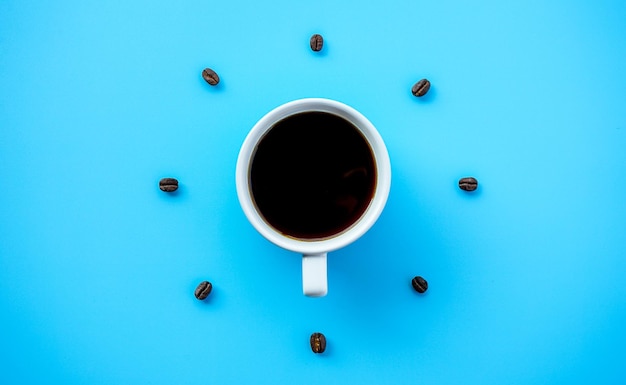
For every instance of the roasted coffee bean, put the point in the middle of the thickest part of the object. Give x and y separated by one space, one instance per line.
210 76
318 343
317 42
468 184
168 184
419 284
420 88
203 290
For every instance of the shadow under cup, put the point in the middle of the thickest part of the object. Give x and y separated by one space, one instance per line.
312 175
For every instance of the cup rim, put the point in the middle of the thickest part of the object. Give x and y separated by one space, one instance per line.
368 218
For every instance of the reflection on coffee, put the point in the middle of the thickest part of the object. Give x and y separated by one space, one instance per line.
313 175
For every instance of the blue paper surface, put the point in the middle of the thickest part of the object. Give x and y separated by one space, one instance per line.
99 100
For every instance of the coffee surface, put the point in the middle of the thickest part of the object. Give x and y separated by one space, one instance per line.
313 175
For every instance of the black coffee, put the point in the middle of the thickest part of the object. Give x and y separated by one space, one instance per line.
312 175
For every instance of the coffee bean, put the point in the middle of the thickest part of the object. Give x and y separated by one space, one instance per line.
203 290
318 343
168 184
420 88
210 76
317 42
419 284
468 184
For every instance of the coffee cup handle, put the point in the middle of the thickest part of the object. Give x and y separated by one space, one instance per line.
314 279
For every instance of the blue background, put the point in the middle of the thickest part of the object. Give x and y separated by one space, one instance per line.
99 100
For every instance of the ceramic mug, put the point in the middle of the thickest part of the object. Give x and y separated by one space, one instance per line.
314 248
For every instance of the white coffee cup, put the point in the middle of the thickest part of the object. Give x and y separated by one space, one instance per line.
314 251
